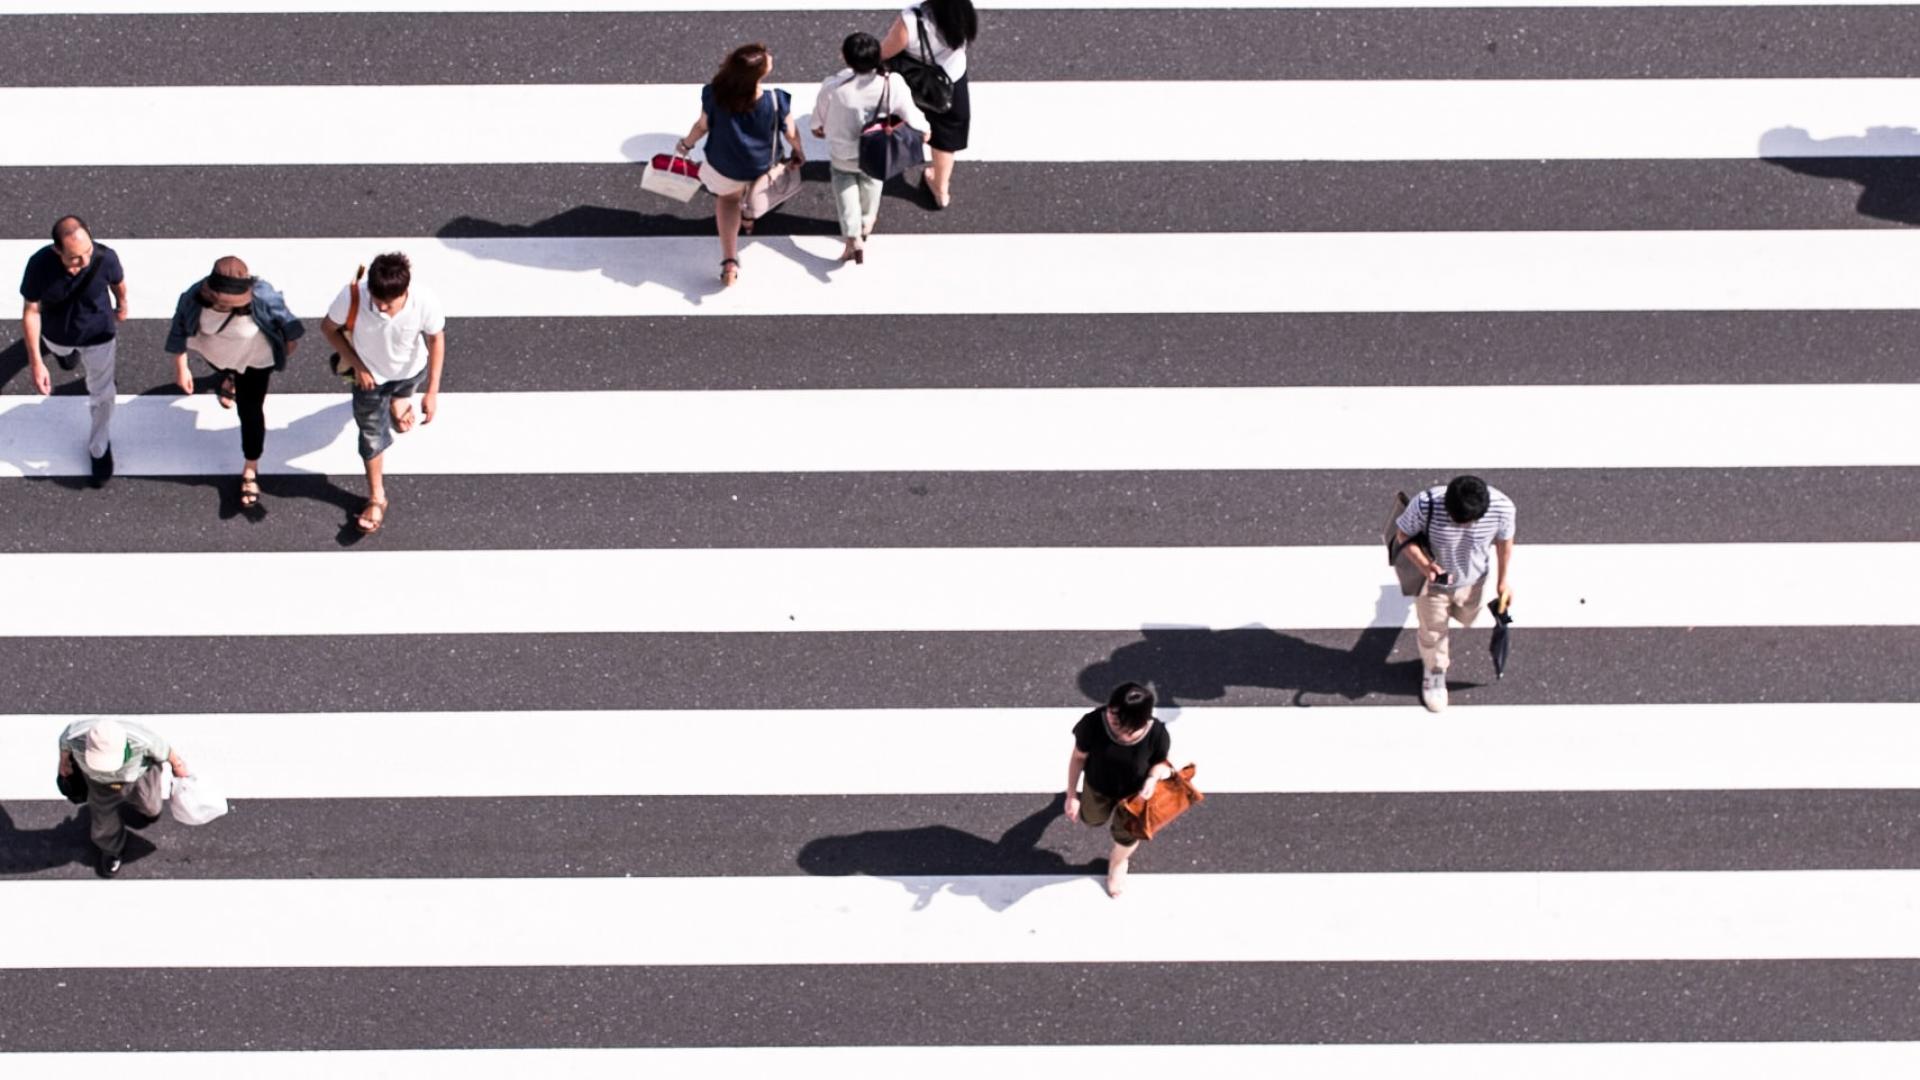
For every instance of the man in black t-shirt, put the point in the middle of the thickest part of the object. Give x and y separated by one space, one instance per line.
68 316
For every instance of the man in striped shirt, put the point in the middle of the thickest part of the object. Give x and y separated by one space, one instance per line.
1466 521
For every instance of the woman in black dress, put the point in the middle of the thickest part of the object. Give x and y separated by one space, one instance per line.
1121 751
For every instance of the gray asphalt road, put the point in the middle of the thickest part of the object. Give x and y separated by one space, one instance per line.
964 509
1490 43
1322 349
969 1004
887 836
469 202
1244 666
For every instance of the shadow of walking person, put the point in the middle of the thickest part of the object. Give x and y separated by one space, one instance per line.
38 837
1186 664
932 859
1885 162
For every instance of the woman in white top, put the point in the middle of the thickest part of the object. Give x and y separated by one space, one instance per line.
951 25
848 102
240 326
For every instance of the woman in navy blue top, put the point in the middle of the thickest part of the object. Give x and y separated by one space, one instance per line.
741 124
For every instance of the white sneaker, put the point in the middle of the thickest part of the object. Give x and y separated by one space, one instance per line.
1433 691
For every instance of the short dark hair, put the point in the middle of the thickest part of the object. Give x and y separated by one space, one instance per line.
861 51
1132 705
389 275
66 227
1467 499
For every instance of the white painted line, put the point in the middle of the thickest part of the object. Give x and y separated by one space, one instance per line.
737 590
534 432
1108 273
303 7
1357 1061
495 922
905 751
1301 120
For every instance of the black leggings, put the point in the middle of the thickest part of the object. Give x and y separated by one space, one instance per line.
250 398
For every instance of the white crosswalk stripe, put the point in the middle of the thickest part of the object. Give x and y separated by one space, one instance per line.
788 806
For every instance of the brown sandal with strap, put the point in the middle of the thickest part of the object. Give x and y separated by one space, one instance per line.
372 517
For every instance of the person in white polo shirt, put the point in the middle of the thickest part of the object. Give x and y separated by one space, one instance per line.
1467 524
391 340
119 763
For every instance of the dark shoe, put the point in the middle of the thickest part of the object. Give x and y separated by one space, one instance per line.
103 468
67 360
107 865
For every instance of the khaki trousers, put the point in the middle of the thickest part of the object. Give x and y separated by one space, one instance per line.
1435 607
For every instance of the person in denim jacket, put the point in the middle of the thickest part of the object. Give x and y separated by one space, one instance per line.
240 327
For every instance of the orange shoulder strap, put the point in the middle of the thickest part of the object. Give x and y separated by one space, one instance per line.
353 299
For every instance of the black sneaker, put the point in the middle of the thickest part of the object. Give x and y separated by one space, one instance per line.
103 468
67 360
107 865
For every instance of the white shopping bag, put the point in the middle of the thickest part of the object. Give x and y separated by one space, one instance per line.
194 803
675 177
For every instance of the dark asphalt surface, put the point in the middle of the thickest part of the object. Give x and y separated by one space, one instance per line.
888 836
564 200
960 509
1492 43
984 1004
1322 349
961 1005
1248 666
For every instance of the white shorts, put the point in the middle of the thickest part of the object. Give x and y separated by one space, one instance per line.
721 185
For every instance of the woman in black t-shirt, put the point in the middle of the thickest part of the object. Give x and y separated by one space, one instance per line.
1121 751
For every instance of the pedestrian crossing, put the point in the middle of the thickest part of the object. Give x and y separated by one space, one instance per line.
704 703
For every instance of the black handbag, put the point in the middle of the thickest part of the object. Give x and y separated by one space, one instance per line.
928 81
888 146
72 786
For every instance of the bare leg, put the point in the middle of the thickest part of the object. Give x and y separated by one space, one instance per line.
726 216
375 514
1117 867
941 175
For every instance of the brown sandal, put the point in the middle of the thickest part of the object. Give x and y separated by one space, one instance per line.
728 277
249 491
371 518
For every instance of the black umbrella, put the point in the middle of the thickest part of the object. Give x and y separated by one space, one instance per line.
1502 642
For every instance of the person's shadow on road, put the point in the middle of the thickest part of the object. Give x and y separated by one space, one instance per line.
933 859
1884 161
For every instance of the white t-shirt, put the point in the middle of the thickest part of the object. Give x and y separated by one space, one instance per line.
231 341
951 60
393 348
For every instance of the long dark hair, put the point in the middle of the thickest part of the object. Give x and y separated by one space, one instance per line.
959 24
739 77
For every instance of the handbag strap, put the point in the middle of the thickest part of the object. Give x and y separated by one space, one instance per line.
353 302
773 150
926 47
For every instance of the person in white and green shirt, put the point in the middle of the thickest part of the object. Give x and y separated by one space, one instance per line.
120 763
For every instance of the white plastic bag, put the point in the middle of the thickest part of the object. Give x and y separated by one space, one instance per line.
193 803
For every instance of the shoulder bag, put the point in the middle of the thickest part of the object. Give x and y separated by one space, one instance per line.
779 183
1412 578
341 367
932 89
1171 797
888 146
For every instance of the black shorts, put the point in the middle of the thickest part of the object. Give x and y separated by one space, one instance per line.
950 127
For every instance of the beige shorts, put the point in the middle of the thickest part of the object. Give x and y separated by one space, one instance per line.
722 186
1097 809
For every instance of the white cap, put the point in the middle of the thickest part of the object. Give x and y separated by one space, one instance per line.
106 747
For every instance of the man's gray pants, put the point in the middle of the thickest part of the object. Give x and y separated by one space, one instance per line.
104 802
98 362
